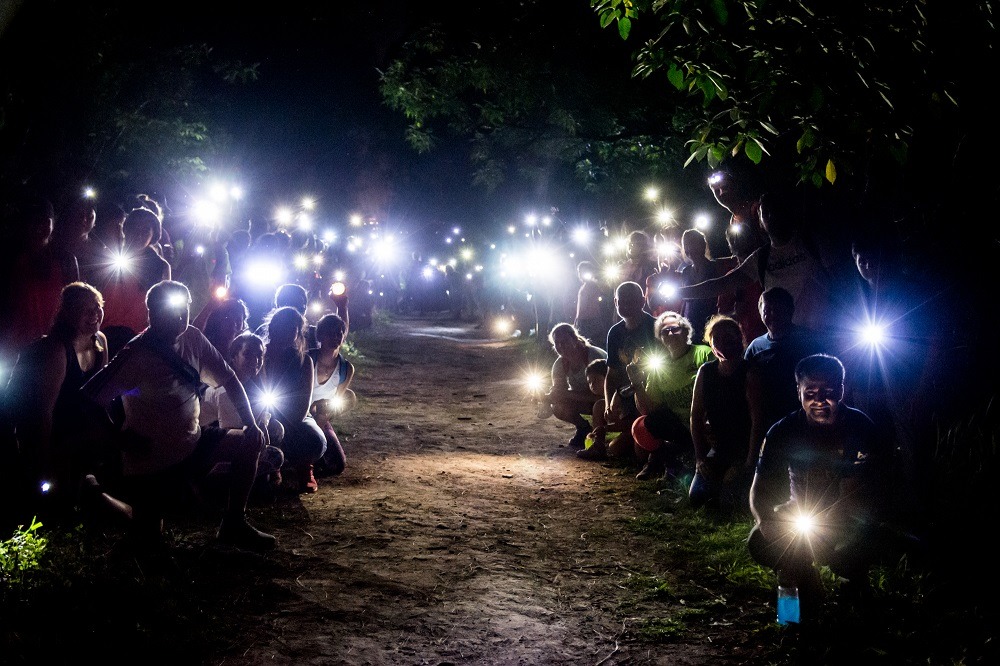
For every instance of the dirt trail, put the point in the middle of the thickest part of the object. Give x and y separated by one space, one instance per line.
462 532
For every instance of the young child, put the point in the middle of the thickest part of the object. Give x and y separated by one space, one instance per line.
596 371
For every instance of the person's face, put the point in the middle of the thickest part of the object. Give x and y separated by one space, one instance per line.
692 247
629 304
40 232
89 317
673 335
867 266
775 316
173 318
248 361
564 344
820 399
727 343
331 339
595 383
86 221
638 248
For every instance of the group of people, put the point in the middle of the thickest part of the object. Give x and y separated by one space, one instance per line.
754 409
122 417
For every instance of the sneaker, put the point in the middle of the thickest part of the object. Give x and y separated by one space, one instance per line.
649 471
593 453
243 535
578 441
308 482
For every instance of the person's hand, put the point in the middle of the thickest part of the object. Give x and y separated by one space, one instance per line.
254 436
340 300
635 374
321 410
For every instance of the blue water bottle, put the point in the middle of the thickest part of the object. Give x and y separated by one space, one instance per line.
788 604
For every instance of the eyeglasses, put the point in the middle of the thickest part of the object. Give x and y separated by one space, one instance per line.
671 329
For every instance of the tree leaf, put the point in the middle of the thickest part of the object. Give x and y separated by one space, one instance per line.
675 76
720 11
753 151
831 171
624 27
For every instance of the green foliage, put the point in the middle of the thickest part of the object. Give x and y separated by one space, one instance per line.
661 629
846 84
531 106
651 586
21 553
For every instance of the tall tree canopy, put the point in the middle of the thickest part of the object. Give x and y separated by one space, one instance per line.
542 98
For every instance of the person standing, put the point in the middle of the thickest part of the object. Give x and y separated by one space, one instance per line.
592 318
698 267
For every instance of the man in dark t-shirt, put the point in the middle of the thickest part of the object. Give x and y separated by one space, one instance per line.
627 338
818 491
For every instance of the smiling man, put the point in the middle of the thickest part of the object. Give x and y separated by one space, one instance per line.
824 467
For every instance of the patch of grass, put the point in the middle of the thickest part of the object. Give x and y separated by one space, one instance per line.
666 629
650 587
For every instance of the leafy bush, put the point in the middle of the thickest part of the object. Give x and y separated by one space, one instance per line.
21 553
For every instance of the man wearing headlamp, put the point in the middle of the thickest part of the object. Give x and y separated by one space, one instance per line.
159 376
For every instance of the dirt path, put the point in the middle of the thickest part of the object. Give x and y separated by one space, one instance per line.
462 532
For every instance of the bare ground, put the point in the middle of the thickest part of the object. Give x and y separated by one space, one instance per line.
464 531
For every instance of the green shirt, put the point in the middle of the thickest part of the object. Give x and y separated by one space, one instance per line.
672 385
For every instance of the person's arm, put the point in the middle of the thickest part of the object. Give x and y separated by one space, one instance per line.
699 433
238 395
643 402
755 401
112 380
34 416
770 488
346 384
296 404
739 277
201 320
560 382
342 311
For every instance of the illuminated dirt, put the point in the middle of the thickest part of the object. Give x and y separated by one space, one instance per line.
462 532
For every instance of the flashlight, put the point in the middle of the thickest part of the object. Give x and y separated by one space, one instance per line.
667 289
221 292
654 362
267 399
805 523
873 334
534 382
45 486
338 288
715 178
121 262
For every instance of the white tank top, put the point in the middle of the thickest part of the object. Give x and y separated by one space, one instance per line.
328 389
